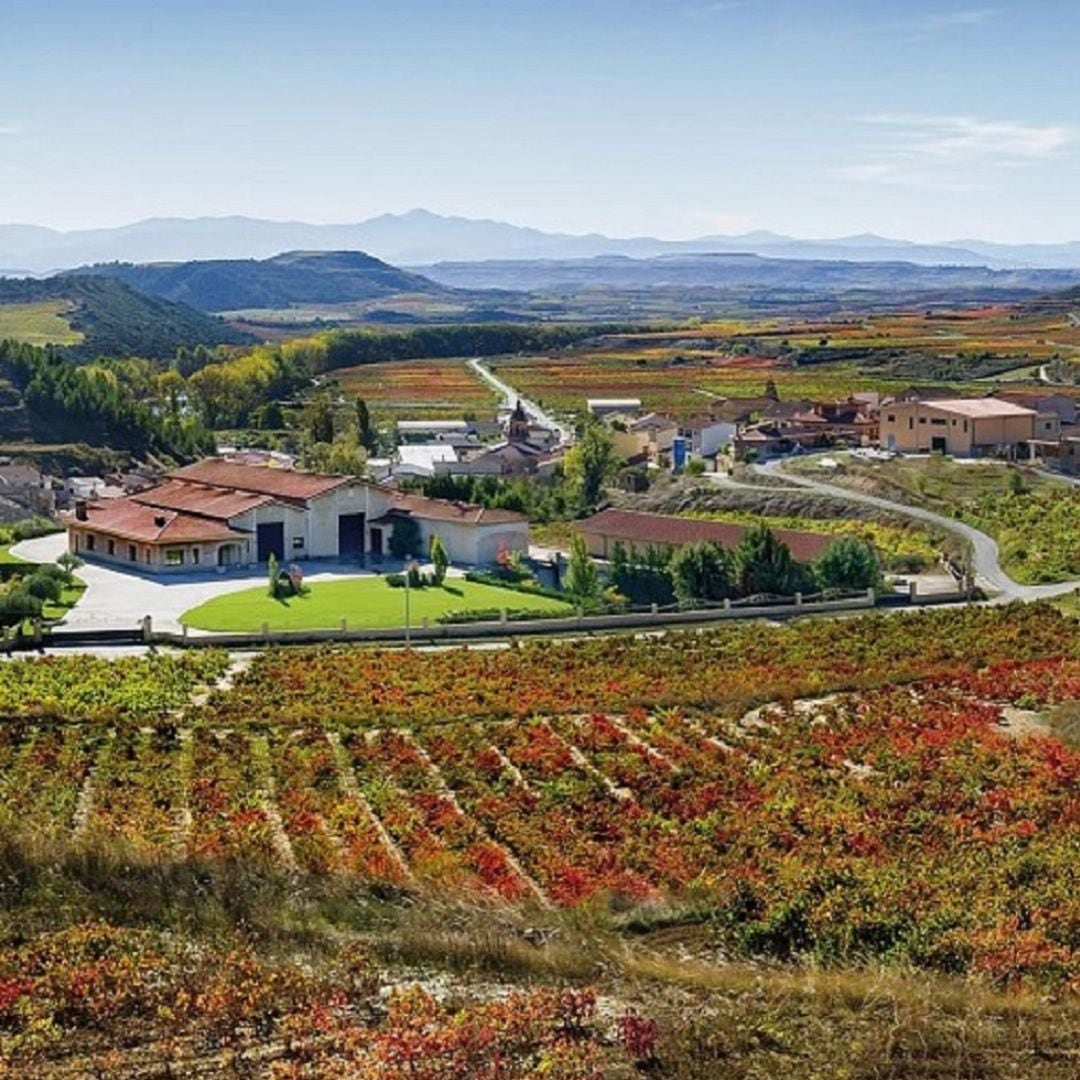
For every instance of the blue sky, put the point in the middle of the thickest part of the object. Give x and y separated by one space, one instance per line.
675 118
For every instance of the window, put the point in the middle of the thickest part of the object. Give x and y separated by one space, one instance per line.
194 554
965 425
133 553
891 418
938 422
910 422
922 419
89 541
112 547
174 556
297 543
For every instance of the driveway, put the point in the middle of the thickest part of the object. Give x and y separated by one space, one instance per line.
118 599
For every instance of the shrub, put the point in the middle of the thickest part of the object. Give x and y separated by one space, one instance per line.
43 586
472 615
440 559
405 538
848 563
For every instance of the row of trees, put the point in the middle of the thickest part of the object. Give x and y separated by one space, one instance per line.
102 403
760 563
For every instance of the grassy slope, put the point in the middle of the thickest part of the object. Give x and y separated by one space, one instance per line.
45 323
364 602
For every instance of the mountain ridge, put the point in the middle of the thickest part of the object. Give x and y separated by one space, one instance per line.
420 237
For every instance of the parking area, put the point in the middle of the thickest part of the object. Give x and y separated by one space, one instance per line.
119 599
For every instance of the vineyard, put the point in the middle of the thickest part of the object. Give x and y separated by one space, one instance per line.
880 790
678 372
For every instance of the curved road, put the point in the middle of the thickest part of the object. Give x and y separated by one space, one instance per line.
984 548
510 397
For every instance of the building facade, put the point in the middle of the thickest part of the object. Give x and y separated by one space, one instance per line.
962 427
219 514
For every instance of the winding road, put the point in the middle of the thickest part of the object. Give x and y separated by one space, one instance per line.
511 397
984 548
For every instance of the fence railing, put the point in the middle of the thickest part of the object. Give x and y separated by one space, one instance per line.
426 631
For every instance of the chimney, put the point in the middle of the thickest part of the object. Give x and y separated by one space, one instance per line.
80 510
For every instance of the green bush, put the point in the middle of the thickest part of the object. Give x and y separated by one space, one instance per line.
473 615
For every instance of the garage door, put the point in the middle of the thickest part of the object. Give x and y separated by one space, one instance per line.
271 539
350 535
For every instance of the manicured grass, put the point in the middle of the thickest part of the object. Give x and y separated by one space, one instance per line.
365 602
7 558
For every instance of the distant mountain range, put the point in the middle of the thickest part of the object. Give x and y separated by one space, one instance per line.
296 277
760 275
418 238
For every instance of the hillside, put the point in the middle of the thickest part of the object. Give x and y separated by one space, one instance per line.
112 318
295 277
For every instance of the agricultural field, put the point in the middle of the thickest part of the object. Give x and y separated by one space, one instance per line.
679 371
717 853
43 323
1034 517
419 389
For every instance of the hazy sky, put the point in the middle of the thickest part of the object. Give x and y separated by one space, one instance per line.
814 117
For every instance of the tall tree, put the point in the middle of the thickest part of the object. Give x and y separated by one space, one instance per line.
764 564
581 577
365 430
701 572
590 462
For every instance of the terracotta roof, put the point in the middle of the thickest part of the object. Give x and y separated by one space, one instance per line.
210 502
260 479
445 510
132 520
639 527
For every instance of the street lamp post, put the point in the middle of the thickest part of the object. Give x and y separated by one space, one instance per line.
409 564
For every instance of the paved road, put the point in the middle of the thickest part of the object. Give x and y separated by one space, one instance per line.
511 397
984 548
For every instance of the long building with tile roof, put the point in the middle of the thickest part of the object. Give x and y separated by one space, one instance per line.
218 513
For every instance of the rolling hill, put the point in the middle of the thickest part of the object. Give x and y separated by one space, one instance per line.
107 317
295 277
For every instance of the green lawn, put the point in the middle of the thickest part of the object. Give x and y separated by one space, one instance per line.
366 603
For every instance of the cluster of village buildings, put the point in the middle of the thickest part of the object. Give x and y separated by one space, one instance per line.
241 507
1026 425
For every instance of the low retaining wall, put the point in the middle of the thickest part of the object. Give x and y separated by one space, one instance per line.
428 633
444 632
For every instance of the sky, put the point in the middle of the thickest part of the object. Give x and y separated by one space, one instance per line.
674 118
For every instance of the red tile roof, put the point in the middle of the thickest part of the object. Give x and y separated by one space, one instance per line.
260 479
445 510
210 502
638 527
132 520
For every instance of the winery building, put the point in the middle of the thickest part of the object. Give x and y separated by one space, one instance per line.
217 513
